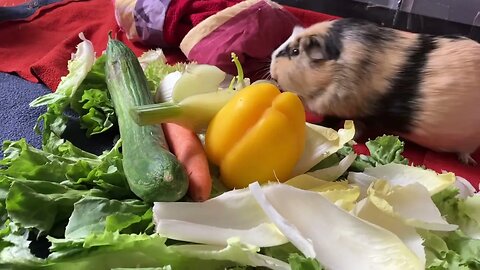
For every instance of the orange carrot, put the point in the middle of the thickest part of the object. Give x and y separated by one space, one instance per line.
185 144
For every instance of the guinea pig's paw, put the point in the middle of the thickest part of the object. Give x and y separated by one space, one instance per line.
466 158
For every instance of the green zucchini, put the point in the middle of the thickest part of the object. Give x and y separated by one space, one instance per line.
152 171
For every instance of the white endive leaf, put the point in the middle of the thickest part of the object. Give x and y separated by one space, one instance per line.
341 193
465 188
411 203
231 214
334 172
402 175
337 239
321 142
368 211
293 234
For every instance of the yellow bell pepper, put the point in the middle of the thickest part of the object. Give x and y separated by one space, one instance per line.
259 135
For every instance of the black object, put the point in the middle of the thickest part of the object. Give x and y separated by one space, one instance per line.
393 18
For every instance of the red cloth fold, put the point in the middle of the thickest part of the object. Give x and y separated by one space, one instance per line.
183 15
38 48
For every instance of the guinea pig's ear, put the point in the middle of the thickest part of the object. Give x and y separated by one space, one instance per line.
312 47
321 48
297 30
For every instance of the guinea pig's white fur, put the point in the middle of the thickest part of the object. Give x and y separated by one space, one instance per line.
424 88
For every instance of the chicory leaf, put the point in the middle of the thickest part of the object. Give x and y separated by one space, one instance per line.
341 193
334 172
232 214
370 212
402 175
412 204
320 143
333 235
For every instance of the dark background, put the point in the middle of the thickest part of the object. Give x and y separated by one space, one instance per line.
438 17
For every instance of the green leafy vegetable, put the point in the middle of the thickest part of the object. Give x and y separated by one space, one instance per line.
105 214
299 262
83 90
452 250
462 211
113 250
383 150
155 67
289 253
42 204
54 121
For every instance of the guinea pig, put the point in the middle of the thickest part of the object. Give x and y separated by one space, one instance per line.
423 88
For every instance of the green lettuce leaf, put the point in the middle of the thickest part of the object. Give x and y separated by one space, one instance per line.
289 253
299 262
92 101
386 149
54 120
38 189
114 250
41 204
451 250
69 165
383 150
105 214
14 248
462 211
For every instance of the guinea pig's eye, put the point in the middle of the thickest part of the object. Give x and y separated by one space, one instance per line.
294 52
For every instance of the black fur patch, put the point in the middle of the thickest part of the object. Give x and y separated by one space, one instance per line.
454 37
333 45
284 52
396 110
374 39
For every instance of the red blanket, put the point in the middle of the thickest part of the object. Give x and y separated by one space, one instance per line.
39 47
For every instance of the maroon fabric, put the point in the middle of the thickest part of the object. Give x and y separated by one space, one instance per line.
183 15
253 35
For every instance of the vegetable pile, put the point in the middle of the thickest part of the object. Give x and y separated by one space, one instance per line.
62 207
